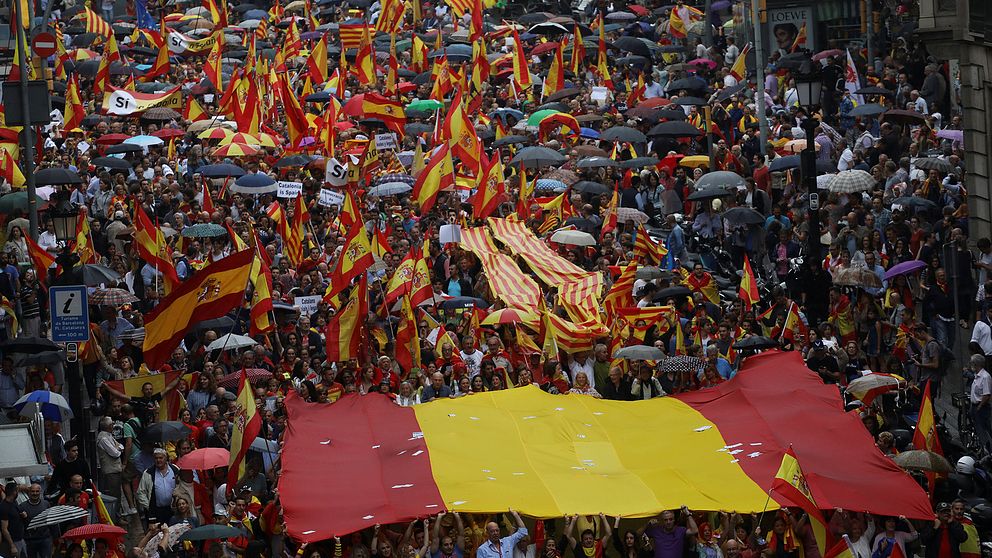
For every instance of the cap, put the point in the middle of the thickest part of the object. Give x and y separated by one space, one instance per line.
943 506
245 487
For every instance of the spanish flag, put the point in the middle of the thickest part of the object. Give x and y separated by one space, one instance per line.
791 484
40 258
391 16
490 191
462 139
555 81
74 111
800 39
102 515
748 290
578 51
388 110
161 65
365 60
739 69
211 293
436 176
317 61
244 427
9 170
193 111
676 27
407 348
153 248
412 277
111 54
261 298
925 436
344 330
218 13
212 66
602 65
521 72
354 260
8 309
161 383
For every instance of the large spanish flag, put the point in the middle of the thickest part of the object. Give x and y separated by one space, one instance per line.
244 428
213 292
714 449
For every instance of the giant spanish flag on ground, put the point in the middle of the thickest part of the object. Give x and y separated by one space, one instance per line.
715 449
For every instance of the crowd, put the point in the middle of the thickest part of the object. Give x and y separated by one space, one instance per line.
467 286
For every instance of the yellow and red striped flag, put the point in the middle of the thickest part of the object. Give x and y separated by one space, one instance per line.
344 331
521 71
748 290
154 249
436 176
96 24
407 348
245 426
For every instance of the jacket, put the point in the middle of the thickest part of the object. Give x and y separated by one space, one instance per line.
146 487
931 537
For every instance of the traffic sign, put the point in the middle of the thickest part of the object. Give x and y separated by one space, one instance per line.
43 44
70 313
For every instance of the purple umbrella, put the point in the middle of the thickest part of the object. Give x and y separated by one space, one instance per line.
311 35
904 268
720 5
956 136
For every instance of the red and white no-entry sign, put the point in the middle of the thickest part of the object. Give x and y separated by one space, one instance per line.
43 44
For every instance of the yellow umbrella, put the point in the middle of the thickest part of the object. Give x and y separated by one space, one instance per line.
694 161
269 140
218 133
240 137
510 316
235 150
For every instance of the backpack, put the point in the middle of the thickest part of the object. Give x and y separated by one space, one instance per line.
137 426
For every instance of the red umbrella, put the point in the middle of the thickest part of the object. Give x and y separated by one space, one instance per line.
204 459
703 62
639 10
354 106
544 47
654 102
95 531
254 375
169 133
112 139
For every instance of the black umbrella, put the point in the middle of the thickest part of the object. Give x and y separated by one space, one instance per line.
596 162
742 216
457 302
644 113
28 345
566 93
560 107
932 163
903 116
584 225
708 194
720 179
220 323
417 128
589 187
94 275
672 292
537 156
534 18
213 532
639 162
756 343
875 90
123 148
785 163
293 161
111 163
689 101
623 133
671 114
688 84
220 171
675 129
55 176
510 140
633 46
633 60
868 109
727 92
166 431
915 203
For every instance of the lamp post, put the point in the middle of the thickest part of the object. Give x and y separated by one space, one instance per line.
808 89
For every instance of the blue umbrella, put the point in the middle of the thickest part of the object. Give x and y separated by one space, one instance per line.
256 14
202 230
53 406
144 141
589 133
255 183
550 185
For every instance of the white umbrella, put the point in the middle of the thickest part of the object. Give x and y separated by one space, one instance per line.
230 342
575 238
56 515
851 181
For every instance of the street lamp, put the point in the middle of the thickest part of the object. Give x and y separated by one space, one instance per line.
64 217
808 89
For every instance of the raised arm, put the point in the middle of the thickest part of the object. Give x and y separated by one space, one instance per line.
570 522
427 538
436 543
460 527
690 524
607 531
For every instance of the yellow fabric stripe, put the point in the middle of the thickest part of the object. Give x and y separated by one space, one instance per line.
549 455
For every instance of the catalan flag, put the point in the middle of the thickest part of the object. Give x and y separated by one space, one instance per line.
351 35
647 250
96 24
211 293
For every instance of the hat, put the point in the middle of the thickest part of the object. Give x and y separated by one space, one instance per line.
943 506
160 451
245 487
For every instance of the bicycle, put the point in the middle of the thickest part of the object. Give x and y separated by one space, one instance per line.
966 428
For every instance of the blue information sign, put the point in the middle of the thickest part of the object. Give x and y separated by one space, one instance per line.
70 313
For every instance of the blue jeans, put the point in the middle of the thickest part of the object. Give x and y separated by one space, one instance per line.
943 332
39 548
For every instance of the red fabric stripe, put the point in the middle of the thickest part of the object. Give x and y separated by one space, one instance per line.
837 455
326 438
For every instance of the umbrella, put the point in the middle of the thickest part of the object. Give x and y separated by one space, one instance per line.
211 532
255 183
756 343
638 162
631 215
904 116
682 363
590 150
390 189
203 230
205 459
537 156
16 201
145 141
909 202
510 316
548 185
596 162
868 109
52 406
623 133
230 342
566 93
727 92
417 128
923 460
827 54
904 268
111 163
932 163
166 431
956 136
677 291
55 176
235 150
293 161
536 118
94 531
112 297
720 179
742 216
589 187
633 46
675 129
95 275
651 272
620 16
222 322
220 171
234 378
875 90
56 515
708 194
640 352
785 163
851 181
868 387
457 302
575 238
509 140
690 101
857 276
27 345
425 105
162 114
644 113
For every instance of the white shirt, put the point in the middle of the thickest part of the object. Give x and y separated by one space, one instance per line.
982 335
981 387
472 361
588 366
846 158
47 241
729 81
164 485
731 55
921 105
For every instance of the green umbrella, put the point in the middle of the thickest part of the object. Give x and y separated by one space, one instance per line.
403 45
536 118
425 105
16 200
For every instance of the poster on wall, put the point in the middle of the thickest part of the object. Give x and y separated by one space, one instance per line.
790 30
